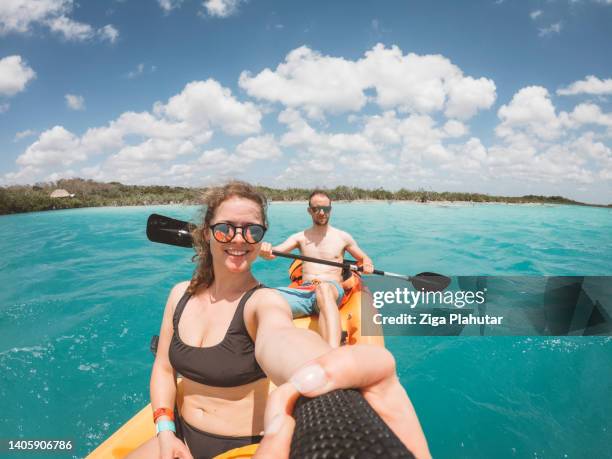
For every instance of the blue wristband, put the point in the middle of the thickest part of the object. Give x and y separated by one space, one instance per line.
164 425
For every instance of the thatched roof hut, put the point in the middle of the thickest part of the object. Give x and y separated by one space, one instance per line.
60 193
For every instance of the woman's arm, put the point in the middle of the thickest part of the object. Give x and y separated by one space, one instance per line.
287 353
280 347
369 368
163 380
163 390
163 376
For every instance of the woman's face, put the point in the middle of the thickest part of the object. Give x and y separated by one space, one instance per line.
236 255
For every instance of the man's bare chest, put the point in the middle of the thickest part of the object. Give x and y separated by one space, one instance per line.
326 249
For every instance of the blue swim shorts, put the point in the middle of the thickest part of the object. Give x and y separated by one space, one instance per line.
303 302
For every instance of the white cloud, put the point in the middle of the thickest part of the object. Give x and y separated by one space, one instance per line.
139 70
535 14
311 81
75 102
590 85
207 103
530 111
137 145
409 83
23 134
375 163
14 75
56 146
396 136
109 33
221 8
454 128
383 129
71 30
169 5
589 146
303 137
153 150
551 29
424 84
467 95
256 148
19 16
556 163
537 145
211 167
4 107
588 113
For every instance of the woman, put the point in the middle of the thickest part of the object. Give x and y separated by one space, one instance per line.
224 333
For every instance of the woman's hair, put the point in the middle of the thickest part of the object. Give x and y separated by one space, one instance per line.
203 276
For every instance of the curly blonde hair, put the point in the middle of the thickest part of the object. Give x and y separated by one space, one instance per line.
203 276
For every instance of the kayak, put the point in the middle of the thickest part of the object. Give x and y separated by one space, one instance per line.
140 427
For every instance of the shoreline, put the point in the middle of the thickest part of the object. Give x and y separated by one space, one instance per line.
79 193
432 203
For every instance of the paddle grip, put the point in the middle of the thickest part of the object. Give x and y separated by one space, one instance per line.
341 424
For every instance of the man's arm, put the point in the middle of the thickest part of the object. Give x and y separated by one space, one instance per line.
290 244
361 257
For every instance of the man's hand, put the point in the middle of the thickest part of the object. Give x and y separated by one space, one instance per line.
265 251
369 368
368 266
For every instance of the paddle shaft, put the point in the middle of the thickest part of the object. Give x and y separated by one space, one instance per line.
351 266
168 230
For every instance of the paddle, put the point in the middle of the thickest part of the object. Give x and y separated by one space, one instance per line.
170 231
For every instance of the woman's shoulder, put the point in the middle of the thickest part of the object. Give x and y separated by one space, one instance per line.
180 288
177 292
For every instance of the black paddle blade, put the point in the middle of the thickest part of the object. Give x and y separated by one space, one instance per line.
166 230
430 282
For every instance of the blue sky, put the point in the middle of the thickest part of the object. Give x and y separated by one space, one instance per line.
503 97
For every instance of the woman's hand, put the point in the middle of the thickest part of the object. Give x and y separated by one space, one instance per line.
171 447
369 368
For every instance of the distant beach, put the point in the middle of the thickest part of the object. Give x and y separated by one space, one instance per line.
79 193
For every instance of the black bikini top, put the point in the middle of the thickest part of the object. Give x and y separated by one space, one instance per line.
227 364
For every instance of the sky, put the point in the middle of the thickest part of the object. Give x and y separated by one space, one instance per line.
498 96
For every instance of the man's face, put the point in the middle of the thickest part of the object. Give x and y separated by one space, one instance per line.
316 209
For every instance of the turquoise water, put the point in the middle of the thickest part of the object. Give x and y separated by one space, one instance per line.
83 291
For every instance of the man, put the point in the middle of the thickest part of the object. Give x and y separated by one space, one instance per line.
324 241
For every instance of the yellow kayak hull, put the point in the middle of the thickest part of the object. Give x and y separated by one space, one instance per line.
140 428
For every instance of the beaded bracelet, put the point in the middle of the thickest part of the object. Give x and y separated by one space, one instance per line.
163 412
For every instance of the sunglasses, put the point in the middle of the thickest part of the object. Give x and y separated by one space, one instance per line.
317 209
226 232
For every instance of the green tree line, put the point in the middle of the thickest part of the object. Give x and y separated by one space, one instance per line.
88 193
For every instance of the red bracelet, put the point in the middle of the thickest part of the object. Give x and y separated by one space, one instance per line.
163 412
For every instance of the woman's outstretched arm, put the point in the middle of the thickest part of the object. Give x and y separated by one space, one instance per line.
280 347
300 362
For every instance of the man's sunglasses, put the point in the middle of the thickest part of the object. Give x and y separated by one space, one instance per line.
317 209
226 232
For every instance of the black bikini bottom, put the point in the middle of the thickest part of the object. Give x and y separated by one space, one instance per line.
204 445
